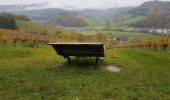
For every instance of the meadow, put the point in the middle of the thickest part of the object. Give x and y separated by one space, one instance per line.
135 35
28 26
39 74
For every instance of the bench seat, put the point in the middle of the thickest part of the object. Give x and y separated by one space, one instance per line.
79 49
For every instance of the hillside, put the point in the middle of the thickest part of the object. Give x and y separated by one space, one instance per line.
68 20
104 13
36 73
127 21
146 7
35 27
139 16
131 35
41 14
92 17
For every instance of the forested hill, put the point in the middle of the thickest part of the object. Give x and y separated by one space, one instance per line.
68 19
146 7
155 14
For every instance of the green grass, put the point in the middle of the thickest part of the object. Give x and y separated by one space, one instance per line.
35 27
134 20
38 73
132 34
127 20
129 35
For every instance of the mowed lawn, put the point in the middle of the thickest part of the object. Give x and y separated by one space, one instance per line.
39 74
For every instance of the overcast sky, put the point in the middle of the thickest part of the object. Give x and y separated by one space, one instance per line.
80 3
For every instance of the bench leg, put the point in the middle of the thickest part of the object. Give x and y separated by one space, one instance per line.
69 60
97 60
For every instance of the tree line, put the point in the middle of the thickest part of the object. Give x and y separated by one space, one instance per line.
8 20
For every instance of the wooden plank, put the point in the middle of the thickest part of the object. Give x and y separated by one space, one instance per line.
94 43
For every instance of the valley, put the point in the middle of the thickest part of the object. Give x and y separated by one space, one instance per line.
135 41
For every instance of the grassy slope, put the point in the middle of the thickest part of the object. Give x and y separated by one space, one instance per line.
135 35
93 21
132 34
35 27
37 73
127 20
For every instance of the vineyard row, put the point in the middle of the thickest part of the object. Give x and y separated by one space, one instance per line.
13 37
155 44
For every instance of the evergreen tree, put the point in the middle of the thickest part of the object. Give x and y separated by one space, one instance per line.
7 21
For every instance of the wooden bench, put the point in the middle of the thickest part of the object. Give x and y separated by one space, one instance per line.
79 50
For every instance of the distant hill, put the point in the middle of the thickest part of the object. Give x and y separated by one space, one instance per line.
119 17
138 16
147 6
41 12
104 13
128 20
68 19
100 17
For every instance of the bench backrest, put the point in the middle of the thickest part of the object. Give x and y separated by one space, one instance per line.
79 49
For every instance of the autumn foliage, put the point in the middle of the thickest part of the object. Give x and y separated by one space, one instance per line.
13 37
155 44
